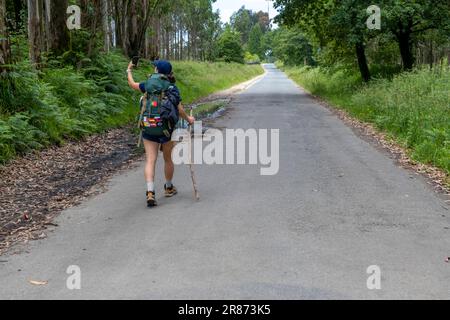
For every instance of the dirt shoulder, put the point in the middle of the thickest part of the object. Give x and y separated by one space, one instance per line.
37 187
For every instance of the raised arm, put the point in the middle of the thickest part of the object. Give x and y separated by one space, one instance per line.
133 85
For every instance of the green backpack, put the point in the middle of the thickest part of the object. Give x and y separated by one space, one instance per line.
150 121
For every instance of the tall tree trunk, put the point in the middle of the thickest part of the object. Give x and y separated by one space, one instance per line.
448 57
137 21
34 32
95 22
181 44
118 22
152 44
403 34
5 50
147 47
105 20
362 62
188 44
18 7
167 40
405 46
131 46
59 35
431 54
47 20
146 44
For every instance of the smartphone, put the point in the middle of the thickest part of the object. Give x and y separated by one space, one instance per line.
135 60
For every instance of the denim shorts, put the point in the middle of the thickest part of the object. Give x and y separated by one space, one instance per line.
157 139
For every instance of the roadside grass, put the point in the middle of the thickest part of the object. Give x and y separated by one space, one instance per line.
38 109
413 108
200 79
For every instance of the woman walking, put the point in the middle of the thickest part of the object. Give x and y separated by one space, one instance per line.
153 144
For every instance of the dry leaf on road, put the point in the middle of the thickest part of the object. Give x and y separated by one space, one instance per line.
38 283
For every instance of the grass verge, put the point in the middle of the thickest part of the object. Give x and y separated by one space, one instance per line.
412 108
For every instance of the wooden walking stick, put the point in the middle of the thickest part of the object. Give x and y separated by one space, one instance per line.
141 115
191 166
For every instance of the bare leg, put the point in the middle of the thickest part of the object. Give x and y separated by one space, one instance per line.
169 167
151 151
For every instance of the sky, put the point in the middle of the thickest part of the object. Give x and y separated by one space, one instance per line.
227 7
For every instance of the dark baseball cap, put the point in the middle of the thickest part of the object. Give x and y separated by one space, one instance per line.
163 66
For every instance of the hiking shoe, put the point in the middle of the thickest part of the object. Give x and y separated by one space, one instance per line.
151 201
170 192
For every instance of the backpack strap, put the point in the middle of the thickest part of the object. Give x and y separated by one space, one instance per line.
143 107
166 85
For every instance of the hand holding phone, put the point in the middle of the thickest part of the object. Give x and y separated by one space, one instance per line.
135 60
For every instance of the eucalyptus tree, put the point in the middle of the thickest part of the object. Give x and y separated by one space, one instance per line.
35 32
255 41
56 31
242 21
5 51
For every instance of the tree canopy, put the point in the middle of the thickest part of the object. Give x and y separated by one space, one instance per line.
230 48
340 27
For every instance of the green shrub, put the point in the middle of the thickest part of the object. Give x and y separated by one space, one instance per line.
251 58
18 89
229 47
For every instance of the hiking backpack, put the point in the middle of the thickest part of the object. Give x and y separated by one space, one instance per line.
151 121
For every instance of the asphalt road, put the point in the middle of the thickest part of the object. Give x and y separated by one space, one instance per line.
336 207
